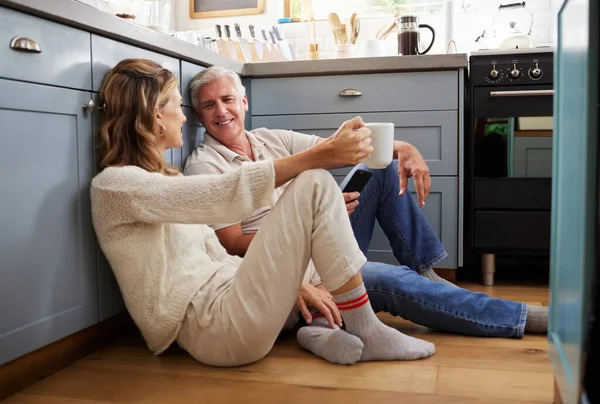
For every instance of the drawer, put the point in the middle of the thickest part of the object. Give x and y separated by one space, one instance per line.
415 91
188 71
512 193
513 230
106 53
434 133
64 59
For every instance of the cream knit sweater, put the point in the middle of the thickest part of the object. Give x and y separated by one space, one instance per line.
153 230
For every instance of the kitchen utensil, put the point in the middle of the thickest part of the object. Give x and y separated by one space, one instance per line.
223 46
232 51
256 44
339 29
277 51
409 35
516 39
313 51
283 45
267 44
388 30
512 26
244 46
354 27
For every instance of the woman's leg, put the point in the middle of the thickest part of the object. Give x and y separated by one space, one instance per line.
310 218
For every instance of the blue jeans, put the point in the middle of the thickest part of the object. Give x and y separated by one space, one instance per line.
400 290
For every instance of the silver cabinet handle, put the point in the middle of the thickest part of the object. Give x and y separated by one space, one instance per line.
89 107
350 92
522 93
23 44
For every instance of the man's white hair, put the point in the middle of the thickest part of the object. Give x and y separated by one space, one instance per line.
211 75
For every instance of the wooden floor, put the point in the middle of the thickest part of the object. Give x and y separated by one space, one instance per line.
463 370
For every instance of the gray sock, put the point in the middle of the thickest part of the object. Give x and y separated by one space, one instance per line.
381 342
537 319
432 276
332 344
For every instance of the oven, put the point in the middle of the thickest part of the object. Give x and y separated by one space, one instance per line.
508 155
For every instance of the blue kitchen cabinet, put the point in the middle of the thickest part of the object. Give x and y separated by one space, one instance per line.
48 286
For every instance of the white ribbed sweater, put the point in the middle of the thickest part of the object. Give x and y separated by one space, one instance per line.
153 230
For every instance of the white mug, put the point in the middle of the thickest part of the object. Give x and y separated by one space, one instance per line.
382 141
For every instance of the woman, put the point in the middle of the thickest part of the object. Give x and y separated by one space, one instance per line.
177 281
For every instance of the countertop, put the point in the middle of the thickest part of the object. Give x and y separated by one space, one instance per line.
87 18
384 64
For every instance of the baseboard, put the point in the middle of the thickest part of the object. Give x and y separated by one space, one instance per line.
448 274
26 370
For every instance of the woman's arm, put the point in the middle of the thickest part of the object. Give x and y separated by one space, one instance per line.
349 145
223 198
206 199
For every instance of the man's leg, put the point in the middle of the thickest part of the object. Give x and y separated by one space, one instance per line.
401 292
413 241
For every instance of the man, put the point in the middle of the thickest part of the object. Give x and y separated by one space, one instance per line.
220 103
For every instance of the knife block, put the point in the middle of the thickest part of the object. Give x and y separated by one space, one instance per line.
273 55
239 53
255 58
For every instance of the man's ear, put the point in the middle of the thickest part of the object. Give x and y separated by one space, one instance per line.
245 101
199 117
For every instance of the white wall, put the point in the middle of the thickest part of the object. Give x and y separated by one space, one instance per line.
472 17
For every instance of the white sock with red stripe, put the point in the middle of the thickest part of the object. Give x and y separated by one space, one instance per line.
380 341
332 344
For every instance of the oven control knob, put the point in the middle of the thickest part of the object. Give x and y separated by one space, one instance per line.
494 73
535 73
514 73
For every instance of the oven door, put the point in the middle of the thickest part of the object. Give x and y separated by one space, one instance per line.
512 166
513 132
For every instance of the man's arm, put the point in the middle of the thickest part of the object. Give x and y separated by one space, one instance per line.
412 164
234 241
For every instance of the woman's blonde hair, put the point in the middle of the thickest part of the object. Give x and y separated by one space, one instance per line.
129 134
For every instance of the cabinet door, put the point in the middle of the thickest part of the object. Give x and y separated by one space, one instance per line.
434 133
110 300
48 284
64 59
574 194
441 212
188 71
106 53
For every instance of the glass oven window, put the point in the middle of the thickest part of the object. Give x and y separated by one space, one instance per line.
513 147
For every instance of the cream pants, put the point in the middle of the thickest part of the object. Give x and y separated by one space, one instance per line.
237 316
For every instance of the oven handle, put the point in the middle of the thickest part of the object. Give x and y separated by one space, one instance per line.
522 93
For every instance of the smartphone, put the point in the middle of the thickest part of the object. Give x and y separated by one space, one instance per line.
357 182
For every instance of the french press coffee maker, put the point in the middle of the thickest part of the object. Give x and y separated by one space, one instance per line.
409 35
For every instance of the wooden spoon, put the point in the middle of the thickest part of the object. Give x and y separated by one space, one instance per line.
339 30
354 28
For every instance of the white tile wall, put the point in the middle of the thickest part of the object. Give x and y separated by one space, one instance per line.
471 19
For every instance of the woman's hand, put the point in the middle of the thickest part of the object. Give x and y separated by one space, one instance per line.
349 145
320 299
